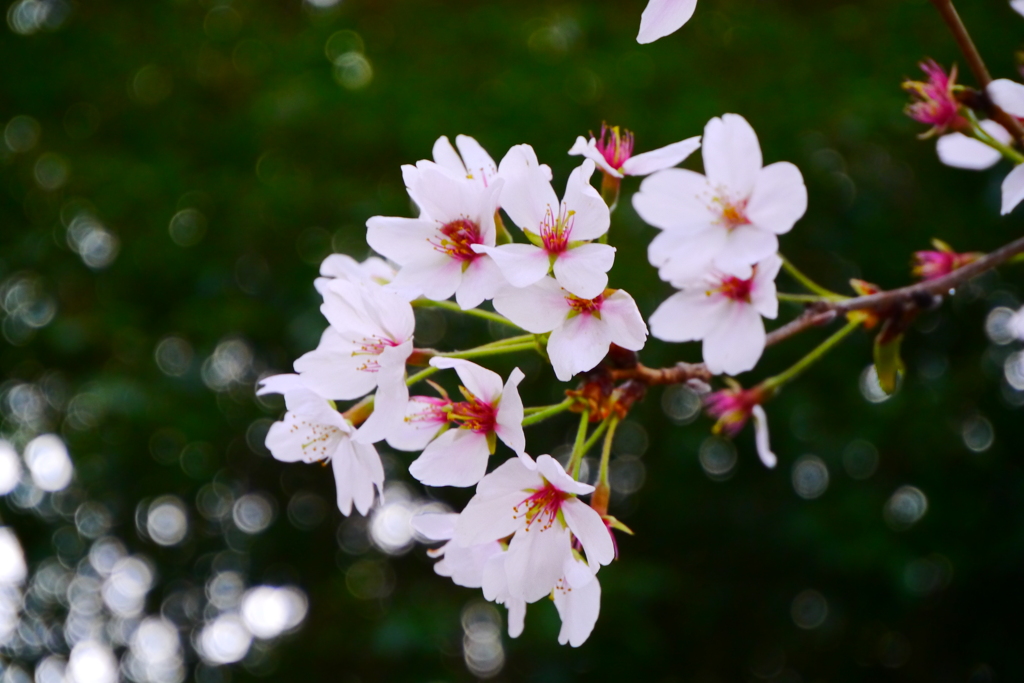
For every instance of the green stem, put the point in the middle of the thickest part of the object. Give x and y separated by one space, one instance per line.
606 451
455 308
980 133
421 375
544 412
484 351
803 298
808 283
595 435
518 339
578 446
773 383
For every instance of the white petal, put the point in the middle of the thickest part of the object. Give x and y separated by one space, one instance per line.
295 439
527 194
687 316
764 449
588 149
1007 95
402 240
466 566
481 280
535 559
762 292
626 326
391 399
662 17
745 246
456 458
512 476
390 312
577 345
521 264
483 383
436 526
1013 189
280 384
687 257
358 475
516 616
779 199
489 519
659 159
538 308
333 371
509 419
959 151
1018 6
591 216
675 199
583 270
555 474
436 278
479 163
578 609
732 155
416 430
446 157
591 531
737 343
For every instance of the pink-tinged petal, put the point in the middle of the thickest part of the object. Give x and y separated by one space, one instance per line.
779 199
762 294
686 258
527 194
456 458
446 199
521 264
437 526
662 158
592 217
764 449
483 383
447 158
578 609
1007 95
512 476
550 469
590 530
538 308
403 240
509 419
959 151
626 326
418 428
676 199
481 280
577 345
1013 189
280 384
745 246
488 519
534 561
588 149
687 316
333 371
479 163
732 155
583 270
436 278
663 17
737 343
391 399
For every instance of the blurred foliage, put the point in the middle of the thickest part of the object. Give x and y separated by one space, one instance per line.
279 128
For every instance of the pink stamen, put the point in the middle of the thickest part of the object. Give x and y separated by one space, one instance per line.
542 507
588 306
555 231
736 289
615 145
372 346
456 239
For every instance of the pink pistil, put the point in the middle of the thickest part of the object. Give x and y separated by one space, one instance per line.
556 230
457 239
615 145
935 102
542 507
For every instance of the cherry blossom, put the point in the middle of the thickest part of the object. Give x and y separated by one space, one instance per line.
537 505
723 311
581 329
313 431
733 407
663 17
496 589
1018 6
342 266
613 153
929 265
464 565
1009 96
578 606
436 251
961 151
935 100
459 436
728 219
558 231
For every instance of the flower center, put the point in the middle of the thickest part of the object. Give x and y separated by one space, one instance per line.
615 145
457 239
736 289
733 214
322 439
587 306
542 507
556 230
474 414
373 347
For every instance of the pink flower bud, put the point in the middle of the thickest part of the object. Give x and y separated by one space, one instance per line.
934 101
929 265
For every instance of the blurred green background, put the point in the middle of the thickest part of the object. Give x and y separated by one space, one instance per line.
184 167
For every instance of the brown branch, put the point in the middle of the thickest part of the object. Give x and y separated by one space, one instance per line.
976 64
676 374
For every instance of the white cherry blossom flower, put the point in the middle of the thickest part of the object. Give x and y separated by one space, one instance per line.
1009 96
1018 6
538 507
496 589
459 436
727 219
961 151
613 153
470 162
578 606
342 266
663 17
464 565
581 329
436 251
558 231
725 312
313 431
